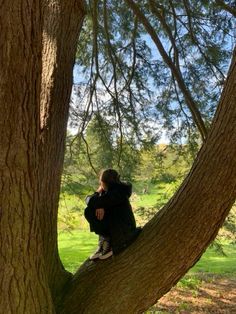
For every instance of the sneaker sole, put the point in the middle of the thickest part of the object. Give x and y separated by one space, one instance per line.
106 255
94 256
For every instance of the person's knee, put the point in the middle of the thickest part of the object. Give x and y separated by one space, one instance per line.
87 213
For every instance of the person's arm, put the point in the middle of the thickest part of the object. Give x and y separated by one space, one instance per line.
88 197
99 192
107 200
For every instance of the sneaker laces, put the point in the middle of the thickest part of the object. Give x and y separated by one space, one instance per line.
106 247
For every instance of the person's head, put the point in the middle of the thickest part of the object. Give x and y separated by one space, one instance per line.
109 177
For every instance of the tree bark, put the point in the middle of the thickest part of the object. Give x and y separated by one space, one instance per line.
38 44
174 240
62 24
23 280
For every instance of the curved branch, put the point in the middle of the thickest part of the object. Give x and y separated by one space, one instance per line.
116 100
168 31
176 73
88 154
174 240
196 41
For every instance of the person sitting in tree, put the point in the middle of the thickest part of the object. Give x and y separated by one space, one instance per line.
110 215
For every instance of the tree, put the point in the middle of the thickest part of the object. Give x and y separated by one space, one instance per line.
99 135
97 149
35 37
38 45
176 237
162 83
87 154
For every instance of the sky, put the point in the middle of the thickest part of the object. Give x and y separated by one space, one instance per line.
77 78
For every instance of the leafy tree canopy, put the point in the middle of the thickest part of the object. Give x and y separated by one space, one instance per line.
153 66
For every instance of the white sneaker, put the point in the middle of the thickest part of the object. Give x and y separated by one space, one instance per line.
96 254
106 250
99 250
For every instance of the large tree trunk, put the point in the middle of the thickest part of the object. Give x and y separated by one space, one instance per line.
176 237
62 23
38 42
23 280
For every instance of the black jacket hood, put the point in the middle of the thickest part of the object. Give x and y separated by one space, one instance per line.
125 187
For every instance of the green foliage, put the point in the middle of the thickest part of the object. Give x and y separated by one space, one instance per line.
99 137
164 162
124 78
189 282
97 149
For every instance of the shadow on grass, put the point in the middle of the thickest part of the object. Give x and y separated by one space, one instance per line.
213 294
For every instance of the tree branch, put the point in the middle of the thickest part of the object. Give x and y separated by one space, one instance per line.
226 7
176 73
196 42
116 99
167 29
170 243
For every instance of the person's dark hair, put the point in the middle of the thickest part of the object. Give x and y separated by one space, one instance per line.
110 176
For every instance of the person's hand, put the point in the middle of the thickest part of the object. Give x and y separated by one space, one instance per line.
100 213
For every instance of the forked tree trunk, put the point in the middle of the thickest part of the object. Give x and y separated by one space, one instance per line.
62 23
38 44
176 237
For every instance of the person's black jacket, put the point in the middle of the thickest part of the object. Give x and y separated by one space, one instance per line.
122 225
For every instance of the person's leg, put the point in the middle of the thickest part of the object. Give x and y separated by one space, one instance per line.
99 249
106 246
100 227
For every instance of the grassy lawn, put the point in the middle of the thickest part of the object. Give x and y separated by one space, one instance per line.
213 262
75 247
157 194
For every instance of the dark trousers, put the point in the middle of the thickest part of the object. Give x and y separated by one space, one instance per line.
100 227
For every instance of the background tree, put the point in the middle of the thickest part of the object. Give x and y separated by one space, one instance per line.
98 148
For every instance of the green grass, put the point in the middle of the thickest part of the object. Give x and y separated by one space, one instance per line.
212 262
157 194
75 247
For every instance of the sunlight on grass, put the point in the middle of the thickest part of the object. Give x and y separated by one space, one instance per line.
218 264
75 248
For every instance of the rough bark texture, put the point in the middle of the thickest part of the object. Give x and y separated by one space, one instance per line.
38 43
23 281
62 23
176 237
